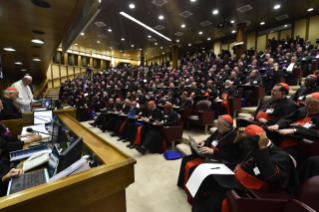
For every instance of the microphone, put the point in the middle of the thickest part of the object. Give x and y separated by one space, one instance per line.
29 129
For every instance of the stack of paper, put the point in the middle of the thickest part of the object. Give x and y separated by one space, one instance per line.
37 127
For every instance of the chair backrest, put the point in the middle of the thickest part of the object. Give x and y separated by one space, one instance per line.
307 148
314 65
309 193
179 119
294 205
240 92
203 105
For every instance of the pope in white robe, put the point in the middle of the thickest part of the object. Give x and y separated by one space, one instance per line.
25 95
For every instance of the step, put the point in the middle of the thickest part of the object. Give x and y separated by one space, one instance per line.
291 92
243 115
268 97
294 87
247 109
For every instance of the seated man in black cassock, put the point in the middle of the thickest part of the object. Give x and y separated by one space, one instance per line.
310 86
272 110
10 110
124 111
112 116
185 102
303 123
253 80
266 167
104 112
217 146
154 140
220 105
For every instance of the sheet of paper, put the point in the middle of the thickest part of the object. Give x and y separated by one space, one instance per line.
204 170
37 127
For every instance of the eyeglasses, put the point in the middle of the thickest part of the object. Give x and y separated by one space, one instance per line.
309 105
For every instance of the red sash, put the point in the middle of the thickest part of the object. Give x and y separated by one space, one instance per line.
138 136
122 126
225 103
264 115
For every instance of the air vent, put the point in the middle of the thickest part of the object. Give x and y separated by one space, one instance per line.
282 17
100 24
205 23
159 2
152 39
186 14
179 33
159 27
220 35
102 36
244 8
198 42
115 43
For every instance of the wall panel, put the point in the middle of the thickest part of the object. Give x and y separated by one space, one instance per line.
217 48
49 71
261 43
300 28
313 29
77 70
251 40
284 33
56 83
274 34
63 71
56 71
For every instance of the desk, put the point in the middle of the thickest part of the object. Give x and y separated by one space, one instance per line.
16 125
99 189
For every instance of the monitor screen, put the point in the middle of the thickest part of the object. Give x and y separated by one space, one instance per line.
42 117
72 154
46 102
56 132
53 161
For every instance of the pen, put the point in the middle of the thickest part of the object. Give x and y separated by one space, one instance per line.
215 168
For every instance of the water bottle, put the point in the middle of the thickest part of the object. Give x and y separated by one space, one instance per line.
64 140
71 141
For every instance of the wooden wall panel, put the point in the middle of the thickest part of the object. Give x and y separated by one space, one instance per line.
284 33
217 48
225 46
63 79
56 83
300 28
70 77
251 40
56 71
63 71
261 43
50 84
70 70
49 72
313 29
76 70
274 34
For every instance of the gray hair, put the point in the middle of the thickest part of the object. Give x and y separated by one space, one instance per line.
226 123
8 92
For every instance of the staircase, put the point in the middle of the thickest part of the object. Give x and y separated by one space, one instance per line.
53 94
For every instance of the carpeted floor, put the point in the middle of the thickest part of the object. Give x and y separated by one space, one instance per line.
155 187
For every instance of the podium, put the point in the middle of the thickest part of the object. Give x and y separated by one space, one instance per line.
99 189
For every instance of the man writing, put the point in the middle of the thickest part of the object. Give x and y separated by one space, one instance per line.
25 95
10 110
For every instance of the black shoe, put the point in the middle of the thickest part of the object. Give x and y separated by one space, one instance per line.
140 150
103 130
125 140
129 145
113 135
120 138
132 146
92 124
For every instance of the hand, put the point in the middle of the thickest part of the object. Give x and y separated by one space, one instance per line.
263 140
29 134
250 117
200 143
217 98
158 122
136 116
206 150
239 135
33 139
262 120
12 173
273 127
295 67
286 131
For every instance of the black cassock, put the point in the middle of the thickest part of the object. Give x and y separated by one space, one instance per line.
276 170
111 119
8 143
4 169
154 138
10 111
103 116
121 119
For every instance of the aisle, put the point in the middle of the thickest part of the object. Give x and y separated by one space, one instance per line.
155 187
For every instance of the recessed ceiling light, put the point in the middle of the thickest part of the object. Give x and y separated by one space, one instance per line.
161 47
149 36
271 31
163 53
232 21
262 23
161 17
36 40
76 44
132 45
208 38
143 25
310 9
90 49
155 43
152 56
41 3
110 47
82 33
285 25
132 6
233 31
9 49
109 30
183 25
120 50
193 0
18 63
98 41
277 6
215 12
190 44
200 33
140 49
122 39
23 69
177 40
36 59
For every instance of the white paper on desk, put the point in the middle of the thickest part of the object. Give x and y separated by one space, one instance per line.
36 101
37 127
202 171
219 100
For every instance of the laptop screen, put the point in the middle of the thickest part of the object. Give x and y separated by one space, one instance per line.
42 117
53 162
56 132
46 102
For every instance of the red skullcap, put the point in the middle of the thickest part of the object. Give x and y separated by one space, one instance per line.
11 89
285 86
312 75
315 95
152 102
168 103
228 118
253 129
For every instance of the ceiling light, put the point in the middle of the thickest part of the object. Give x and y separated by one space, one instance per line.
36 59
190 44
285 25
132 45
90 49
132 6
277 6
120 50
23 69
147 27
122 39
310 9
140 49
109 30
183 25
18 63
98 41
110 48
76 44
161 47
82 33
36 40
232 21
155 43
262 23
9 49
177 40
200 33
163 53
233 31
203 48
193 0
215 12
152 56
271 31
208 38
145 53
161 17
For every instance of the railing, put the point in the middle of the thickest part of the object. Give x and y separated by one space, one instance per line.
42 90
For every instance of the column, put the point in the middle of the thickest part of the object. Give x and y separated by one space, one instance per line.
79 60
175 56
142 61
240 49
66 62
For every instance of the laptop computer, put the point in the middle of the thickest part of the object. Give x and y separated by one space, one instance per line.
194 147
53 161
40 117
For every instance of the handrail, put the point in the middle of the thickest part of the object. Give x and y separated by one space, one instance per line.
40 89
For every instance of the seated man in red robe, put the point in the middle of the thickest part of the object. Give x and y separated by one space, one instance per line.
266 167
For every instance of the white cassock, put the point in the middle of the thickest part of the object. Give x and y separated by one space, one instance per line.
25 96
